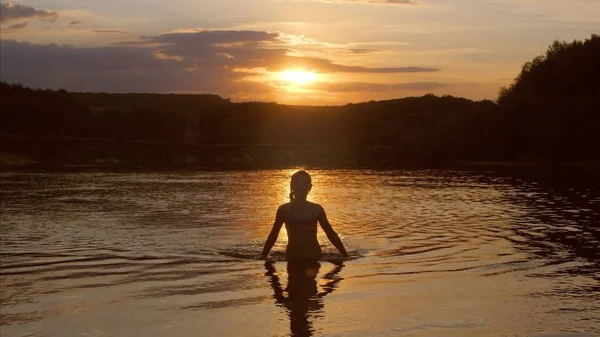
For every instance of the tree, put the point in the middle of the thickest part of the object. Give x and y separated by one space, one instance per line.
551 111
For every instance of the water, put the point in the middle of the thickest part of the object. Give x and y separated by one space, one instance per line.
434 253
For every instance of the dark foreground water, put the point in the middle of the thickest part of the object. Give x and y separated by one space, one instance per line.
434 253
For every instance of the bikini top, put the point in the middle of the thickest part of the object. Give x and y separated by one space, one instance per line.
301 222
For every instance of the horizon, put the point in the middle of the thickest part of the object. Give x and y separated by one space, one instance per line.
296 53
299 105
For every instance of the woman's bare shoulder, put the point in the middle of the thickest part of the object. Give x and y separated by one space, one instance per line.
318 207
282 211
284 207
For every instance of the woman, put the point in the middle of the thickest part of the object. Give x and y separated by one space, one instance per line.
300 217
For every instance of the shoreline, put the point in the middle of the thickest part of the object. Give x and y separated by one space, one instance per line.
588 169
57 153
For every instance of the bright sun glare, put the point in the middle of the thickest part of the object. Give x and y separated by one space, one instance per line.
299 77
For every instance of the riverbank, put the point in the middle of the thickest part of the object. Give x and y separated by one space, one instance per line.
19 151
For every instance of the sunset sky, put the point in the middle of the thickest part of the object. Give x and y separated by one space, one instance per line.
288 51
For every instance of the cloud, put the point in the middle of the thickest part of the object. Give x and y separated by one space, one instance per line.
10 12
376 87
253 49
108 31
328 66
116 69
75 23
215 61
208 36
16 28
362 50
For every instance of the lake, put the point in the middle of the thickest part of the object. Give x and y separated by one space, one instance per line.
175 253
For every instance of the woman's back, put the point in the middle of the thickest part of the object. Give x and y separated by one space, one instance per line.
300 218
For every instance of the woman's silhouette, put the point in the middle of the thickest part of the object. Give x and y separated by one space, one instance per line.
300 218
303 298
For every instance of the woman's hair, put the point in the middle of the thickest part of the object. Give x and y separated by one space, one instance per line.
295 177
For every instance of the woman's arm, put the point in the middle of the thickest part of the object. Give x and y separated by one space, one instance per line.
274 233
331 234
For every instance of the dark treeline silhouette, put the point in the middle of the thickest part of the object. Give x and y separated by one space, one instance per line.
427 128
182 104
549 114
55 113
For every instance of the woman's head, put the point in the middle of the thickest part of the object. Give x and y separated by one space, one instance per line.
300 185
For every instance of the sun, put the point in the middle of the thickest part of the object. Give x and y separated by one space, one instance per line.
298 77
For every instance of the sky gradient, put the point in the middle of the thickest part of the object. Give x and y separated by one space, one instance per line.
288 51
